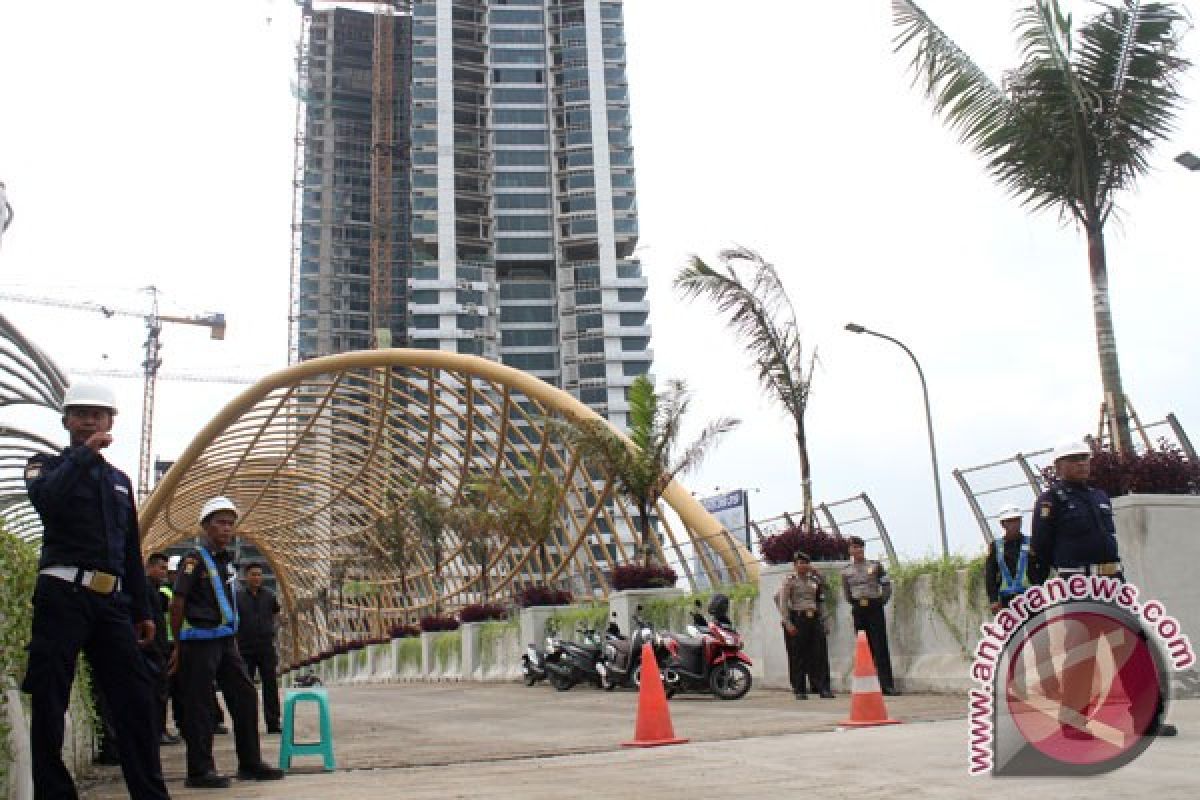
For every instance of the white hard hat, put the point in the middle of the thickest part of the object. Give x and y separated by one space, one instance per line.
1071 448
90 394
214 505
173 563
1008 512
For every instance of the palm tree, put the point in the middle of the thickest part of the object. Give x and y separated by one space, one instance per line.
763 319
1070 127
643 472
476 522
430 516
395 541
530 513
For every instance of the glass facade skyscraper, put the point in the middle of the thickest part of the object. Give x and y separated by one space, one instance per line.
515 220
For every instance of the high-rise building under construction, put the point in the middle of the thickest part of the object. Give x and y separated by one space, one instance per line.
498 215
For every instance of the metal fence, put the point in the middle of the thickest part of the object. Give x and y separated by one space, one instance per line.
853 516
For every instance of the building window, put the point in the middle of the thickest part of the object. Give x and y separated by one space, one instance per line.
527 313
634 343
633 319
631 295
632 369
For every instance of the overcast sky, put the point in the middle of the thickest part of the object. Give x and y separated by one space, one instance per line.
151 143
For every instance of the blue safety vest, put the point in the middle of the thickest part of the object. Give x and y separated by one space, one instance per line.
1010 585
229 616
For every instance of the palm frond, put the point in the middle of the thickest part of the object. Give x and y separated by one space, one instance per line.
701 446
962 93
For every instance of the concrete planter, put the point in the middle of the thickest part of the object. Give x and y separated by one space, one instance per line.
533 624
427 658
625 603
407 656
471 662
1157 534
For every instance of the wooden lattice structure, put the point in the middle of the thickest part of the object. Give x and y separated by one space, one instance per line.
316 454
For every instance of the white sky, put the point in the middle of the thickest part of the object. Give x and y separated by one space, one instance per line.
149 142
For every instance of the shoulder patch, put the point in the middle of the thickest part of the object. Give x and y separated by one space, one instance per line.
1046 510
32 470
189 565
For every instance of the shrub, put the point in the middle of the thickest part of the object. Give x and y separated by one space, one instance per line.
780 548
436 623
636 576
1163 471
404 631
544 596
482 612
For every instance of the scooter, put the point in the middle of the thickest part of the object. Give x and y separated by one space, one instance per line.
533 662
569 663
709 658
623 656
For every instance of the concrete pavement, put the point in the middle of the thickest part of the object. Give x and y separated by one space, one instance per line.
505 741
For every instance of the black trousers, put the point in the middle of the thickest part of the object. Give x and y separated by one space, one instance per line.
808 654
870 618
262 659
68 619
200 662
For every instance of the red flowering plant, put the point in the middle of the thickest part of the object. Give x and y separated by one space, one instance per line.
404 631
482 612
638 576
1165 470
780 548
438 623
543 596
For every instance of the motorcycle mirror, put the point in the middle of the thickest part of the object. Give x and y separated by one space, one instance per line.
639 608
614 615
697 603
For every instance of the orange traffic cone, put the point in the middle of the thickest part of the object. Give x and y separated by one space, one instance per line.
866 699
653 727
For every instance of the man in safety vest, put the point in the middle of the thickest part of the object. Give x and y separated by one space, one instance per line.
204 625
1011 567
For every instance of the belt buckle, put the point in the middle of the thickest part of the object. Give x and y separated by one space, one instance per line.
863 602
810 614
1109 568
102 583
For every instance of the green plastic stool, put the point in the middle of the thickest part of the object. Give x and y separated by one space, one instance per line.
288 747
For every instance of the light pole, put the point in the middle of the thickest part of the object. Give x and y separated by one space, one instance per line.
1188 160
937 481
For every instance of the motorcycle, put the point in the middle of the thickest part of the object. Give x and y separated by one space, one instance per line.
533 662
569 663
307 679
709 658
623 655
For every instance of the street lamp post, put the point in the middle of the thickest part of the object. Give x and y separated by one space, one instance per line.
937 481
1188 160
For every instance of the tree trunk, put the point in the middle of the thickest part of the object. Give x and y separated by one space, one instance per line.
1106 342
644 518
805 473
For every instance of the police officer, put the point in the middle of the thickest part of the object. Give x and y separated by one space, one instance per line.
868 588
1074 532
801 604
1011 566
90 596
204 622
258 614
160 649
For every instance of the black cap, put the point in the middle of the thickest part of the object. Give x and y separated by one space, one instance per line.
856 540
800 555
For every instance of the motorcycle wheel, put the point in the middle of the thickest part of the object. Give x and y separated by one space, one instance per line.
560 682
635 678
730 681
530 679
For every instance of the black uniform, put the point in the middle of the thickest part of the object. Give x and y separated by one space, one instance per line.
256 641
159 652
203 660
89 521
1035 572
801 602
1073 529
867 589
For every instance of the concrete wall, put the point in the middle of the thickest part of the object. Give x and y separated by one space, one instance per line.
931 638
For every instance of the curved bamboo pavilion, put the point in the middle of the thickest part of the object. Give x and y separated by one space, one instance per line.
323 459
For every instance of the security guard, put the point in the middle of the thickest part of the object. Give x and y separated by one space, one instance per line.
258 612
204 623
868 588
1011 566
801 604
90 596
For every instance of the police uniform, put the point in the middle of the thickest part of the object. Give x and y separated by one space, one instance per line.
256 642
1010 569
90 591
801 602
867 589
207 652
1074 532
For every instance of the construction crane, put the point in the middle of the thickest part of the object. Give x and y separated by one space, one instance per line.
153 357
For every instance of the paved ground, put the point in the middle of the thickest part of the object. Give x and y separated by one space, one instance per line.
506 741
